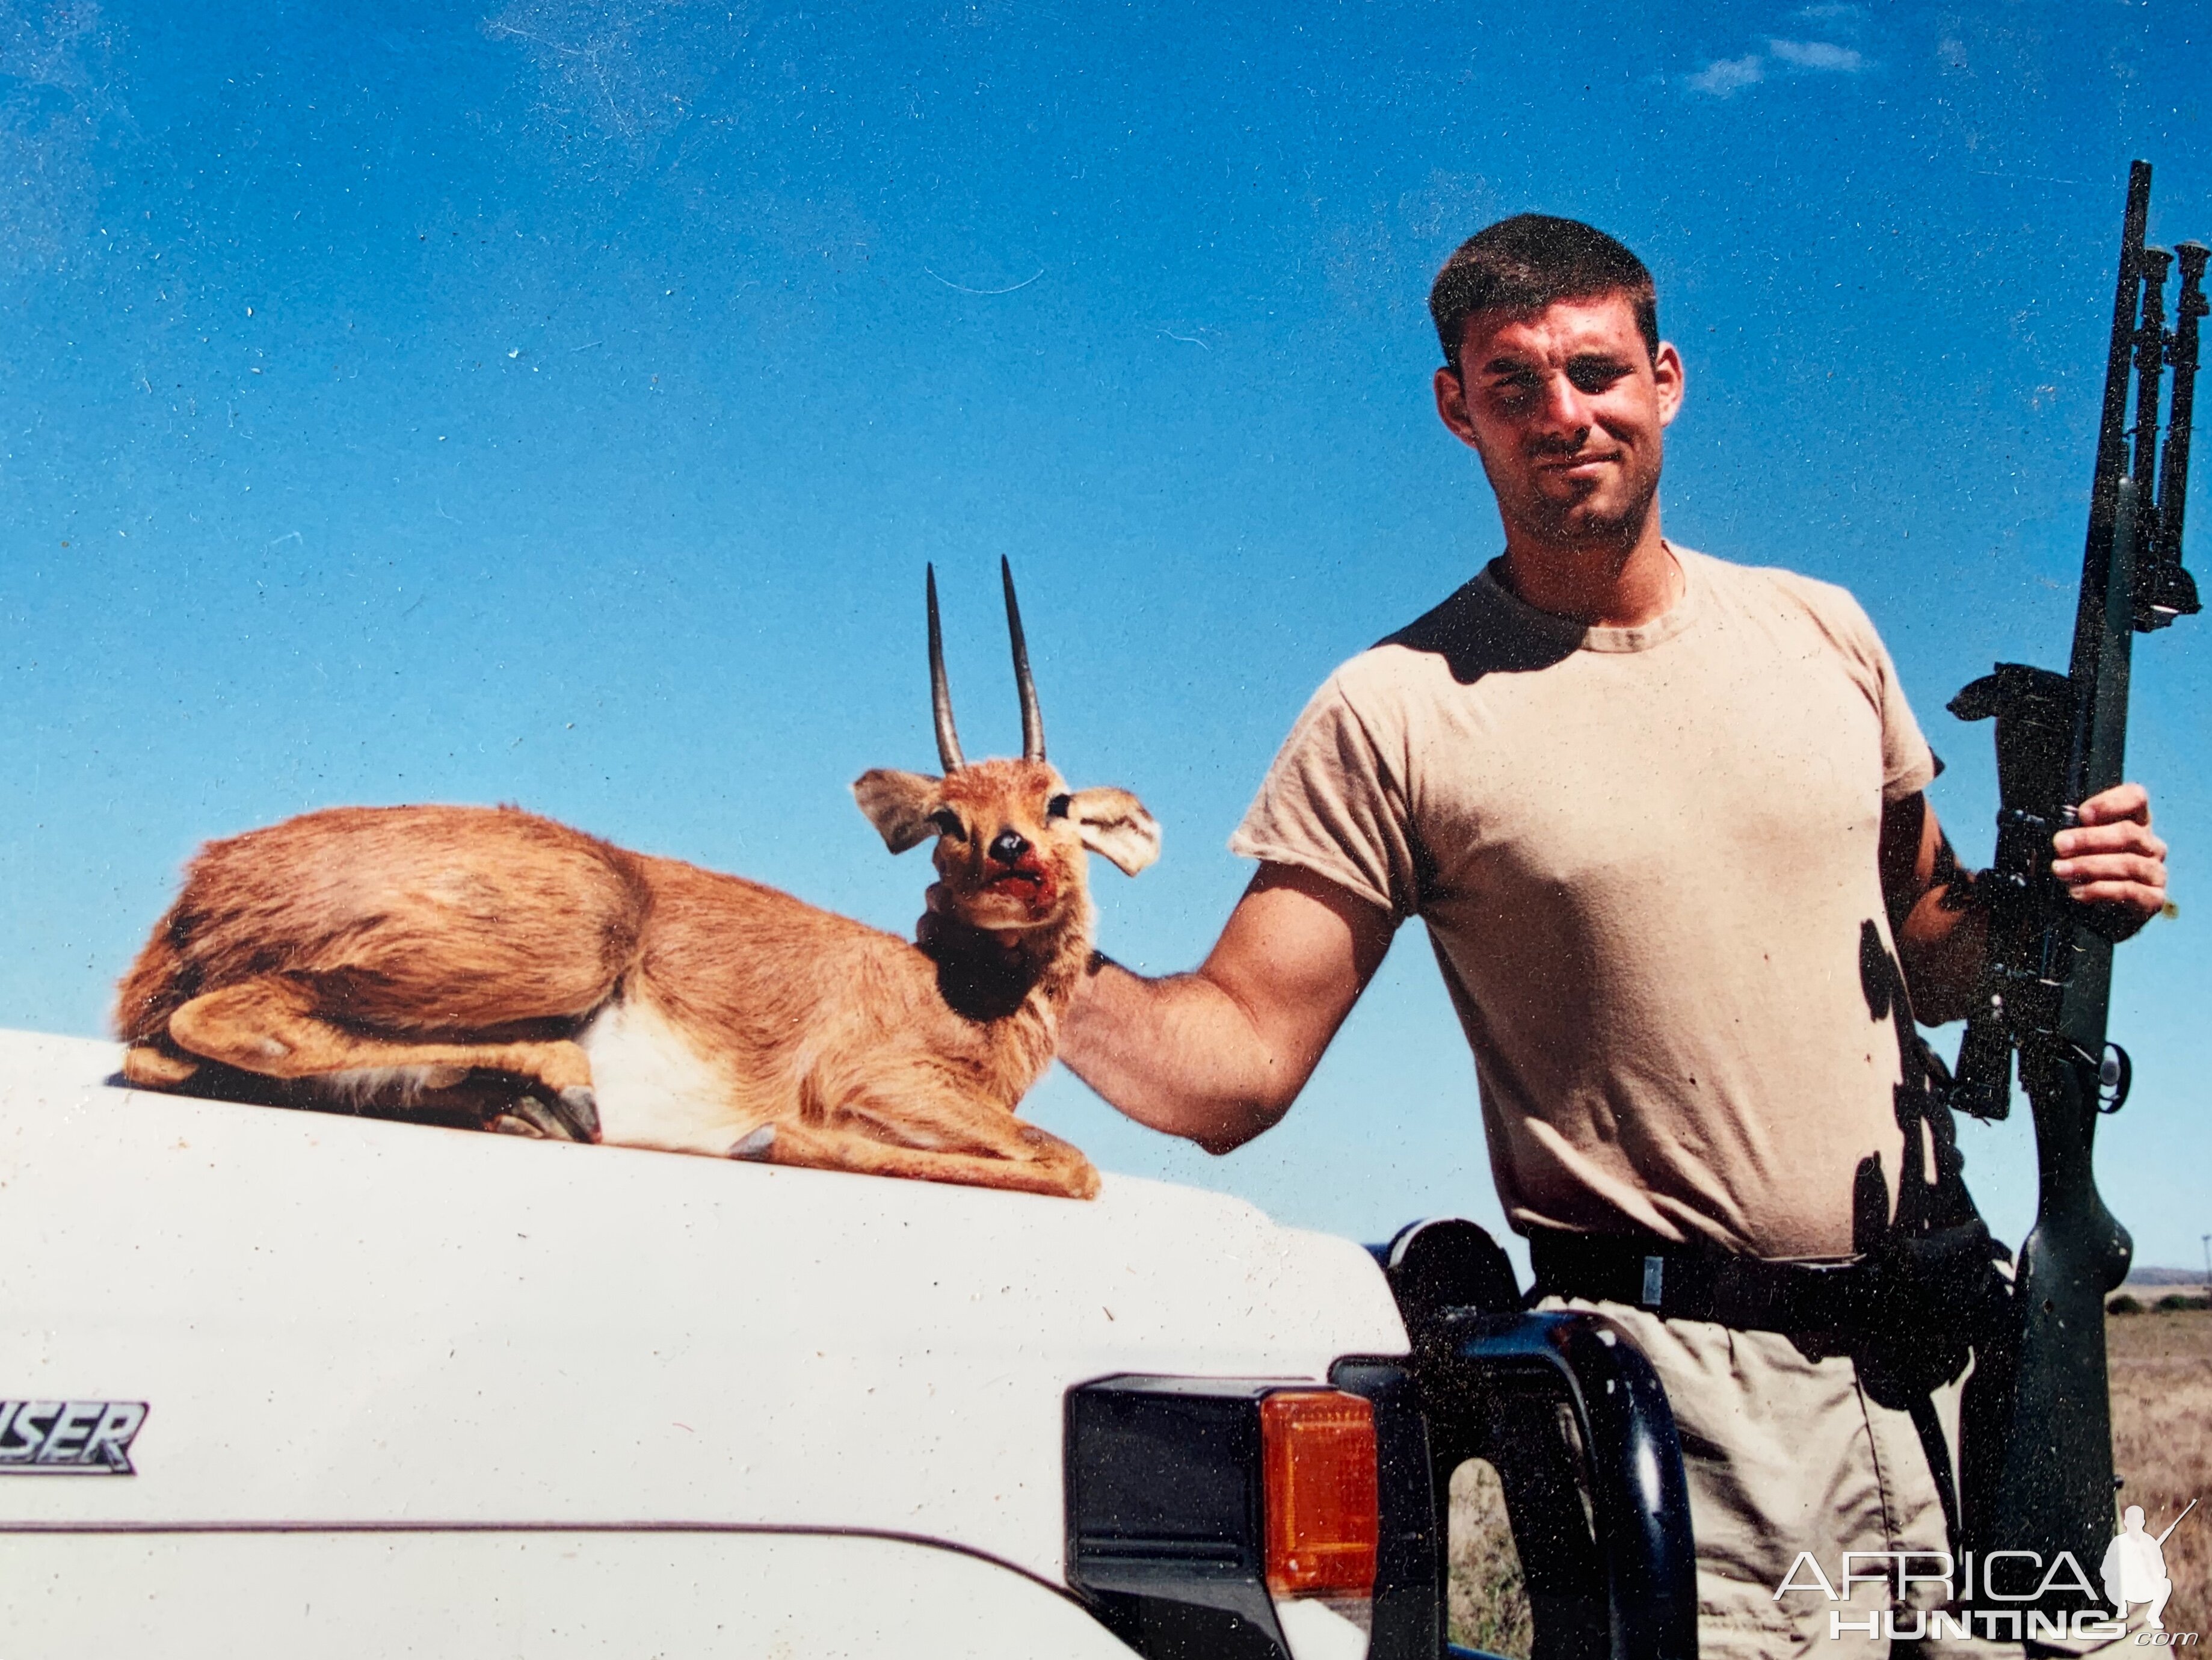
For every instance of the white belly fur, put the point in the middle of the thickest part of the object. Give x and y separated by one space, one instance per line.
654 1089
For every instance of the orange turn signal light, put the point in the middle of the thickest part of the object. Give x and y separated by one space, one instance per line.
1317 1454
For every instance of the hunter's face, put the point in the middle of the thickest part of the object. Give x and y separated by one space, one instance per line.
1566 407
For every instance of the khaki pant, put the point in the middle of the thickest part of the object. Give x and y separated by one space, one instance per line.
1787 1453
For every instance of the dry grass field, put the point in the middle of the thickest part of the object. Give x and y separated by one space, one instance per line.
2161 1371
1488 1609
2162 1366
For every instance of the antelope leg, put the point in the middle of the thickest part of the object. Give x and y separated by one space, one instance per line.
1035 1160
271 1026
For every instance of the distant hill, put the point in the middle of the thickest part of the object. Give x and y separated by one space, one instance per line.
2165 1276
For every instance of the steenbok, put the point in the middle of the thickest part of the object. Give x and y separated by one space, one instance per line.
489 967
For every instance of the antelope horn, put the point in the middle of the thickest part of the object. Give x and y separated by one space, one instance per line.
940 695
1032 721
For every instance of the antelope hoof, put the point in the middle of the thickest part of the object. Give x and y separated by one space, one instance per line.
757 1145
145 1067
528 1115
579 1113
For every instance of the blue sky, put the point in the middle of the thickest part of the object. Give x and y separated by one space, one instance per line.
556 402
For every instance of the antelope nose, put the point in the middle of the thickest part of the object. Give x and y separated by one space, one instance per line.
1007 847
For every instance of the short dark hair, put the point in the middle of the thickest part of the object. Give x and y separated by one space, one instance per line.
1531 261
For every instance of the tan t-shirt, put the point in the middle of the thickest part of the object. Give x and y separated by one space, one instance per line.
1646 858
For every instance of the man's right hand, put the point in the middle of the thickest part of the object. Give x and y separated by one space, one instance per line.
1218 1055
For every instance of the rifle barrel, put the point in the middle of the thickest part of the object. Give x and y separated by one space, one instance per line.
2111 431
2177 1522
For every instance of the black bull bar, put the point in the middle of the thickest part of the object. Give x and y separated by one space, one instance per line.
1574 1420
1166 1504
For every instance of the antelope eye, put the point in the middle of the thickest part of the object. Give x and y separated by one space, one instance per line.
945 822
1057 807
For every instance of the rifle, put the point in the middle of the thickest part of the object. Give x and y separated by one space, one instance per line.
2039 1454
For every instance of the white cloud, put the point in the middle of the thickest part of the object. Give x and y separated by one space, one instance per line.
1725 75
1818 55
615 77
1834 12
56 103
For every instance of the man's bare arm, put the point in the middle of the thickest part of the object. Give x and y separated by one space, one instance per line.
2109 859
1218 1055
1941 934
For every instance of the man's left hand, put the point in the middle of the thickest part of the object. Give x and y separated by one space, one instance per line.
2110 859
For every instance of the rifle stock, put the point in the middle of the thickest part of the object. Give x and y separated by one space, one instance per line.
2039 1458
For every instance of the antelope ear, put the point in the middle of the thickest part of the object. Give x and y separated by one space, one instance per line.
1114 822
898 804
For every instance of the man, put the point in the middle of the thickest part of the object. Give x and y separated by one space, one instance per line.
1663 816
2135 1570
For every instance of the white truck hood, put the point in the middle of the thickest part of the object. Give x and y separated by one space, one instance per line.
342 1321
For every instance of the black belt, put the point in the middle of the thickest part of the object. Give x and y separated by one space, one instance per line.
1684 1282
